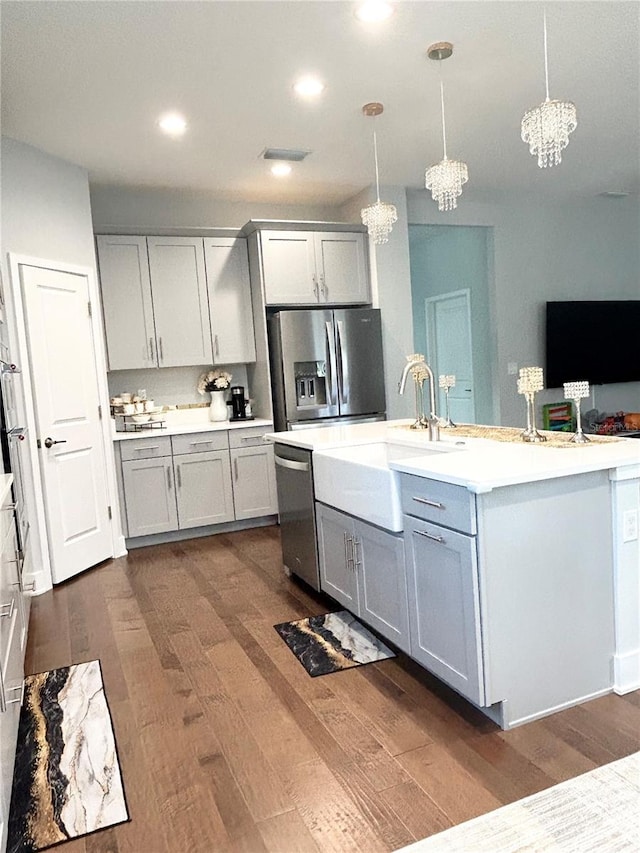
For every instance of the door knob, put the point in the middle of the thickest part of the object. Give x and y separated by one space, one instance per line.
49 442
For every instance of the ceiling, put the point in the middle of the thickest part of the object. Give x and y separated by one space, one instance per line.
86 81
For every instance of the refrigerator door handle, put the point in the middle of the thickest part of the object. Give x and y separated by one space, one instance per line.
343 366
331 362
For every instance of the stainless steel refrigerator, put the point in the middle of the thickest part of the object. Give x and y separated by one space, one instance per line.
326 367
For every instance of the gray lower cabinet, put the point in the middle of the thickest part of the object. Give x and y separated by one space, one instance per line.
149 490
444 605
363 568
203 488
254 482
194 480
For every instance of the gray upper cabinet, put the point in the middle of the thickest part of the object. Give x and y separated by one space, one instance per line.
180 304
229 290
314 267
126 302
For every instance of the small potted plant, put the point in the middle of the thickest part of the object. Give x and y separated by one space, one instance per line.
216 383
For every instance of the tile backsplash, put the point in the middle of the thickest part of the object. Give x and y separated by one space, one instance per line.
171 386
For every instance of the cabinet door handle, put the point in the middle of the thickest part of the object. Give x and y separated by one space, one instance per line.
323 288
357 543
151 350
348 546
346 554
428 502
169 480
216 346
21 698
430 536
7 609
161 350
316 290
179 476
235 469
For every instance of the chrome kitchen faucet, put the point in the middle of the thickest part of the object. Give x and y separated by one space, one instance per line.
423 422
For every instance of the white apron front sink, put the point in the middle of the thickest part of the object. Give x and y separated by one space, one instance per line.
358 479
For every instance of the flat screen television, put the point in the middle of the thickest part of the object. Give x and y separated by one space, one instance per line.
597 341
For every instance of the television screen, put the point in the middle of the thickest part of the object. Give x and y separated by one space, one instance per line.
595 341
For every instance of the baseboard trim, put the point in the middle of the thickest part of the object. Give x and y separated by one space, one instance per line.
199 532
529 718
626 672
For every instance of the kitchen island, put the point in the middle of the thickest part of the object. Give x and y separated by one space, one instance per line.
511 571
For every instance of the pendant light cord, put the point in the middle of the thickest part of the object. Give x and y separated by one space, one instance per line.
375 155
546 60
444 130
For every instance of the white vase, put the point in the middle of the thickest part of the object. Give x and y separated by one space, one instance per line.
218 407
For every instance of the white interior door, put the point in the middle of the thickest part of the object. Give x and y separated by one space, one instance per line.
449 350
65 391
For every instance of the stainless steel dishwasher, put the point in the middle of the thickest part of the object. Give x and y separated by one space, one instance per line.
294 481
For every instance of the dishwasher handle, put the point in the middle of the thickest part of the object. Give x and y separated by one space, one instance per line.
292 464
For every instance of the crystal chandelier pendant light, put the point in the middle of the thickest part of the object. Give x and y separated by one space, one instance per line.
546 128
446 178
379 216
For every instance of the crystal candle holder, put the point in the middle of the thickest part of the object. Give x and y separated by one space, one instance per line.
530 380
576 391
446 381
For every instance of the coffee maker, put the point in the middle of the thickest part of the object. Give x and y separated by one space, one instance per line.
238 403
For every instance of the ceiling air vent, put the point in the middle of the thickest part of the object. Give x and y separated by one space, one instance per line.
293 155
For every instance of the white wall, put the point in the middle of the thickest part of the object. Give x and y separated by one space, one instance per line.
589 249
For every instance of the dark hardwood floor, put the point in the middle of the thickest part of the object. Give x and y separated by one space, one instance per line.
226 744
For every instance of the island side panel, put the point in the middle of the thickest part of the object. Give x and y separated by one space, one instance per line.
546 580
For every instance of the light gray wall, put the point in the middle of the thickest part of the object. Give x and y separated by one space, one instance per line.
589 249
46 210
131 207
391 286
445 259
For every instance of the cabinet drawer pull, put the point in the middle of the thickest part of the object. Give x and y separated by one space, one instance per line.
204 441
426 501
146 447
7 609
430 536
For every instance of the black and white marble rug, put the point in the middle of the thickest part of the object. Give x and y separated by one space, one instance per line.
332 642
67 779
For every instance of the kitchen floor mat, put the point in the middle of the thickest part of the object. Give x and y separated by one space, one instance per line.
66 780
332 642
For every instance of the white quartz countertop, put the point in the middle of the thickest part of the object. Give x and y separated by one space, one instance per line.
481 464
174 425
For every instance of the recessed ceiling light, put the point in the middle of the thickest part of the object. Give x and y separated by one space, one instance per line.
173 124
373 11
281 170
308 87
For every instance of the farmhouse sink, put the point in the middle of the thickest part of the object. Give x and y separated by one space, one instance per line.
358 479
